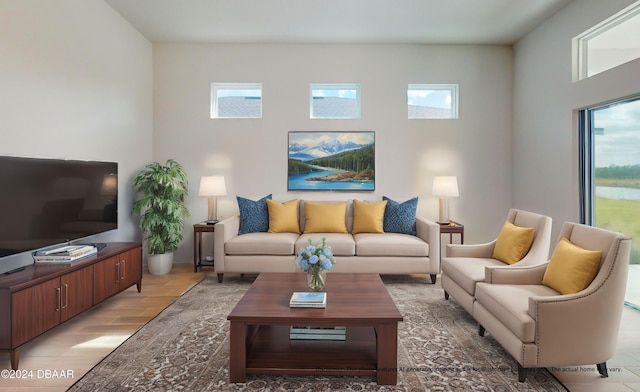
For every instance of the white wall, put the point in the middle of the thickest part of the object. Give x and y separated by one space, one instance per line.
545 148
252 153
77 83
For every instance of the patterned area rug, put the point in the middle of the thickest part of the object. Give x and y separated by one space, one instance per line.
186 347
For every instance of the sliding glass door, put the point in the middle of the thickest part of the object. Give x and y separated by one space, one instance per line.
611 176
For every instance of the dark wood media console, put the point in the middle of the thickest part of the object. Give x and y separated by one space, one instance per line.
42 296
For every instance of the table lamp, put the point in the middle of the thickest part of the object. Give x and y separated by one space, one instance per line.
445 187
212 186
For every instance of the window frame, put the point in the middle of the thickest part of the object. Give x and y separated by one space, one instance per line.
454 90
215 87
580 43
586 155
336 86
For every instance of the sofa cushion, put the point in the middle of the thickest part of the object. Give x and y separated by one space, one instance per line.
341 244
325 217
390 244
283 217
254 215
261 244
571 268
467 271
509 303
400 217
513 243
368 217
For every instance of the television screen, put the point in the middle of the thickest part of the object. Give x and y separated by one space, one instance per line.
52 201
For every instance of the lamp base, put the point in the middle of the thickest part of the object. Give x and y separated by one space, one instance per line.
211 221
444 210
212 210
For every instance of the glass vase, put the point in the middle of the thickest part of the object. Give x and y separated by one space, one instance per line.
316 278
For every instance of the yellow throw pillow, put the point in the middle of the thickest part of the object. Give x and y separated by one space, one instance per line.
325 217
283 217
368 217
513 243
571 268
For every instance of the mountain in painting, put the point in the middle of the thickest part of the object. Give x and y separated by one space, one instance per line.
323 149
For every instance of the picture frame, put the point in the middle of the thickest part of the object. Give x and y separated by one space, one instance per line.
331 161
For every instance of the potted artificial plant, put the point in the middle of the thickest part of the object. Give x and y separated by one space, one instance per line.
162 211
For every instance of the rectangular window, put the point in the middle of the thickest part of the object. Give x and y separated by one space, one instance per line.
432 101
608 44
335 101
236 100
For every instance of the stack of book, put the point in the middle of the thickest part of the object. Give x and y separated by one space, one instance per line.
317 333
65 254
308 300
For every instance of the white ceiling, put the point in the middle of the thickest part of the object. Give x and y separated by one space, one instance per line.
337 21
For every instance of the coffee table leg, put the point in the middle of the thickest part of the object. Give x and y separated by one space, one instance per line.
238 352
387 354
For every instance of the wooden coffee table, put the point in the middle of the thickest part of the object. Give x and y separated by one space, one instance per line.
260 324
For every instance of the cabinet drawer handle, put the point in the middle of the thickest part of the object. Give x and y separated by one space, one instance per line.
122 272
57 299
117 272
65 298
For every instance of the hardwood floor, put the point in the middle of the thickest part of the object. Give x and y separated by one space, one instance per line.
73 348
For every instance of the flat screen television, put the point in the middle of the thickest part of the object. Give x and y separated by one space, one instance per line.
45 202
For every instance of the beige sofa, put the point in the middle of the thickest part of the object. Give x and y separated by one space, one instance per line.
385 253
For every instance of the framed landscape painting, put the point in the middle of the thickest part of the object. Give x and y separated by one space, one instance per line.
331 161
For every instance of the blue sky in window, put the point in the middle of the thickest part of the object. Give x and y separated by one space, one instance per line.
618 142
334 93
430 98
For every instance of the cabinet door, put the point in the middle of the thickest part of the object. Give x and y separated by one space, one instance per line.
106 278
130 268
77 292
35 310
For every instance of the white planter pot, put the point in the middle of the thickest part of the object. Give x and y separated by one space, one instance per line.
160 264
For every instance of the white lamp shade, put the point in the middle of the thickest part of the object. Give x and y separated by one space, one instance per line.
212 186
445 186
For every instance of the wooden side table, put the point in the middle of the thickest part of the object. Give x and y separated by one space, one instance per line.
452 228
198 260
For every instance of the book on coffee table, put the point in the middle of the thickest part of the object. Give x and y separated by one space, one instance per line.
301 332
308 300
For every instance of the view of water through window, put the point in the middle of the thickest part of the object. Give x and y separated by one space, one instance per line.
616 159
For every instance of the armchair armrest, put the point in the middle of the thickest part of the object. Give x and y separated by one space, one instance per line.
515 275
224 231
475 250
429 232
560 317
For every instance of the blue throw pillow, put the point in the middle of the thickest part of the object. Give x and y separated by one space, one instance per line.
254 215
400 218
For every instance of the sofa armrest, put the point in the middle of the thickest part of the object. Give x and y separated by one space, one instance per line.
225 230
484 251
429 232
515 275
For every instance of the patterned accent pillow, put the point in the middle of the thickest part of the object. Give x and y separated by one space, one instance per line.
400 218
254 215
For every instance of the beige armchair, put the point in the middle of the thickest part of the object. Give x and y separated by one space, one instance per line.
539 326
464 265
